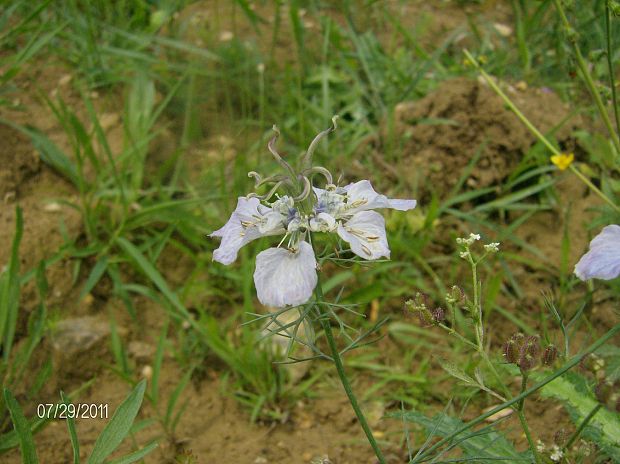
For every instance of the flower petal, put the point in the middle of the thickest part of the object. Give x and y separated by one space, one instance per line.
283 277
365 232
603 259
249 221
322 222
362 197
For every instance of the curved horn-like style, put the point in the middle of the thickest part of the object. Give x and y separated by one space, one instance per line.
306 191
307 158
320 170
276 155
269 194
259 181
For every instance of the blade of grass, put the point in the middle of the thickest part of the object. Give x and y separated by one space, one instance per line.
22 427
118 427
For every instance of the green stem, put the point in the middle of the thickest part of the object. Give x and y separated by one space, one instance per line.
610 67
521 413
569 365
518 408
453 332
479 328
536 132
343 376
587 77
582 426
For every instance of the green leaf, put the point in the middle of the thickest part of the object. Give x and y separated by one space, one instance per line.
484 444
94 276
136 455
456 372
51 154
75 444
603 429
9 290
152 274
22 428
118 427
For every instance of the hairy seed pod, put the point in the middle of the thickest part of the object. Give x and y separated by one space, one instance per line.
512 348
549 355
603 391
526 362
439 315
511 351
560 437
532 345
421 300
425 316
455 295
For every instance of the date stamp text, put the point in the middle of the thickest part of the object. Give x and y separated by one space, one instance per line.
72 411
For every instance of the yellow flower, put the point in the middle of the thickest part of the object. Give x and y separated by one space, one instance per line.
563 160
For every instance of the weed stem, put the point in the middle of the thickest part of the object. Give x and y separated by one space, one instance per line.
538 134
565 368
587 77
582 426
343 376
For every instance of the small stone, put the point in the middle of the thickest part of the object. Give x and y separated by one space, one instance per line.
52 207
498 415
307 456
226 36
108 120
76 335
260 460
64 80
305 425
9 197
141 351
88 300
503 29
521 86
147 372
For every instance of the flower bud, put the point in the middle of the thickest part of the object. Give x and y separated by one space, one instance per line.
603 391
560 437
438 314
549 355
512 347
455 295
426 318
529 352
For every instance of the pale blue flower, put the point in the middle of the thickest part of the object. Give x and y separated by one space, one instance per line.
249 221
603 259
349 212
285 277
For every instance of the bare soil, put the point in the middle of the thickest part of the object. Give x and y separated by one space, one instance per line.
439 136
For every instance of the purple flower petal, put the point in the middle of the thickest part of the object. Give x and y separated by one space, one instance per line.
283 277
603 259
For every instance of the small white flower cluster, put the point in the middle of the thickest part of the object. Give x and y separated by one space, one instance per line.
556 453
492 247
468 241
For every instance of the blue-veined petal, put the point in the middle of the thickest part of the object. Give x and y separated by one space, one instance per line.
322 222
365 232
362 197
603 259
283 277
249 221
